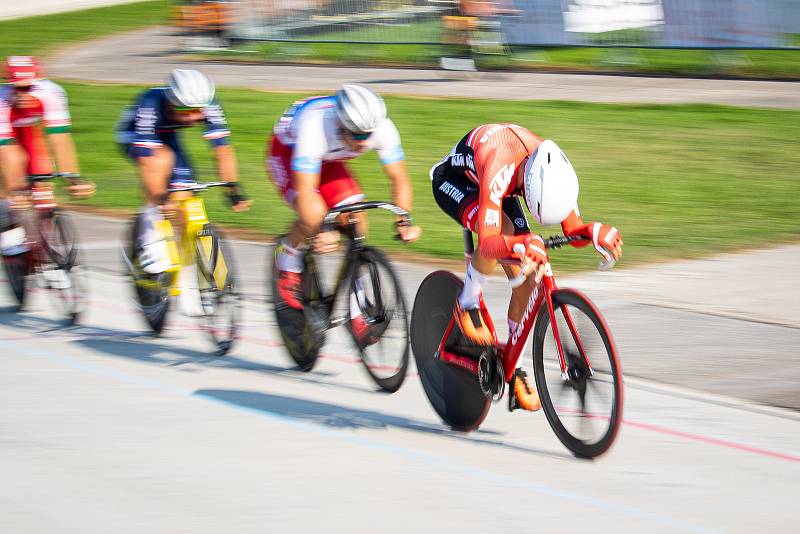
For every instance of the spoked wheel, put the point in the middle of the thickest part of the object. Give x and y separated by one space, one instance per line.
379 319
61 268
151 290
301 336
217 285
585 408
17 269
453 392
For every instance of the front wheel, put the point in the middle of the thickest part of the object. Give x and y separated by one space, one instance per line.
17 269
151 290
583 407
453 392
217 284
379 319
62 269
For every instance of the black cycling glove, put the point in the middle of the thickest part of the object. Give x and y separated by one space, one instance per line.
235 194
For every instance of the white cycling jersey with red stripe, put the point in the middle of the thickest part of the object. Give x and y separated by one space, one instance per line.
312 129
49 109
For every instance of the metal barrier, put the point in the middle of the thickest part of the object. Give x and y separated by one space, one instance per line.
342 21
719 24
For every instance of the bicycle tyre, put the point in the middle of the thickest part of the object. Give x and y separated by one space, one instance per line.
64 232
579 447
454 393
215 298
302 340
373 257
17 269
58 229
151 290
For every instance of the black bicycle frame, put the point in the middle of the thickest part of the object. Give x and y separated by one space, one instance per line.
355 245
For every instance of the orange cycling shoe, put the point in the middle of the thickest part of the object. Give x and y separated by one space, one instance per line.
473 326
361 331
290 289
521 395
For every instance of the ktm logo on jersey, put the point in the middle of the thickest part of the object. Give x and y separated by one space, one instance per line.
500 183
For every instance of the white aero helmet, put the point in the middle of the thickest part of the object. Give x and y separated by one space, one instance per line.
189 89
359 109
551 185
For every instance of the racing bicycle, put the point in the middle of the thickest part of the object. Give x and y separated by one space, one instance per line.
201 244
366 299
52 251
577 370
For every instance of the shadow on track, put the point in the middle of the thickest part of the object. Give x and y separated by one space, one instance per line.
344 417
150 351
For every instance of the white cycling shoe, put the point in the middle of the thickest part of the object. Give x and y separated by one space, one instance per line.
56 279
189 302
12 242
154 257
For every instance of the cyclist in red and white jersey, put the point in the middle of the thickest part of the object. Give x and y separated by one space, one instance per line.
33 111
479 184
309 145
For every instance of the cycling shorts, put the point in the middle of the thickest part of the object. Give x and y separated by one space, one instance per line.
457 196
337 185
182 171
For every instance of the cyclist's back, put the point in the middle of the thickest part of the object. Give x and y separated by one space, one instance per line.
45 112
148 124
311 129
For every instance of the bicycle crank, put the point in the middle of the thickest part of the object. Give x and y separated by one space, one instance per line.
491 375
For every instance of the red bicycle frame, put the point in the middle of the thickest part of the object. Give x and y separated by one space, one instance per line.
510 350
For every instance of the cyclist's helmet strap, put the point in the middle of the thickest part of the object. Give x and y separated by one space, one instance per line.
551 185
189 89
360 110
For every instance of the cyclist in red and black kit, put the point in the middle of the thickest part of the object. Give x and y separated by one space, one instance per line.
479 184
33 115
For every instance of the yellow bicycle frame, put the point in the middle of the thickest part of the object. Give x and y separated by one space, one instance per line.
195 239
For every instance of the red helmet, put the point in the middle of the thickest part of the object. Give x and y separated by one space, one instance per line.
22 70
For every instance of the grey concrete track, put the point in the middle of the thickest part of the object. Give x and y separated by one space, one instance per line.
150 54
105 429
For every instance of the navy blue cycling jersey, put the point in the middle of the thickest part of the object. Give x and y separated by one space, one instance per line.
147 125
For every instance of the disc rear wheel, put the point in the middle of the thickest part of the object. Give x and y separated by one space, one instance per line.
453 392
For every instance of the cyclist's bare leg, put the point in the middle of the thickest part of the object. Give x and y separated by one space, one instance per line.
311 210
155 171
13 161
521 294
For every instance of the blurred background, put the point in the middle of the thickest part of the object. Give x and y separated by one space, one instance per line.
656 36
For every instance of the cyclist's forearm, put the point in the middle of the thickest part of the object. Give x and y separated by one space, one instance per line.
64 151
226 163
573 223
402 192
